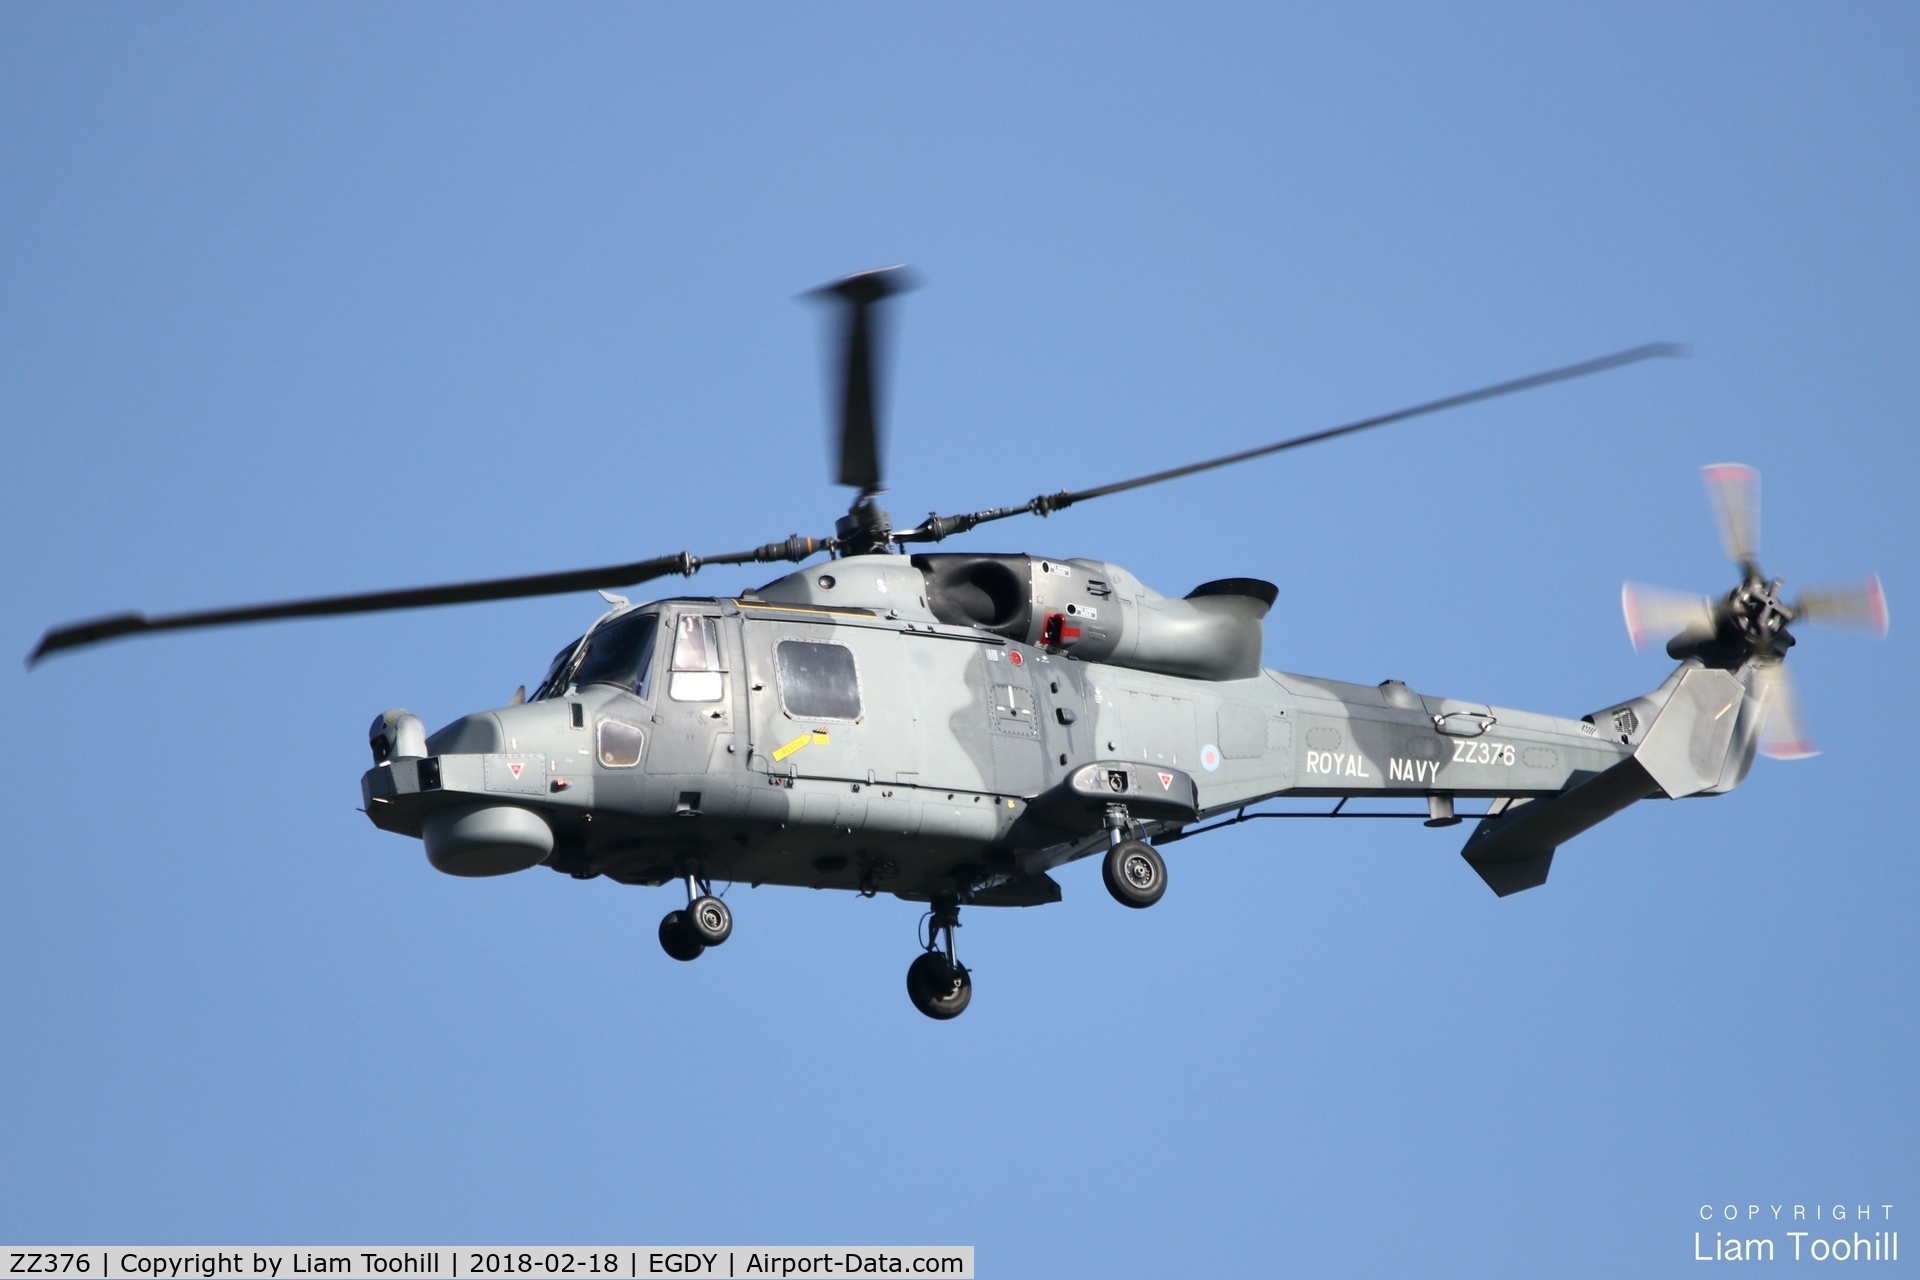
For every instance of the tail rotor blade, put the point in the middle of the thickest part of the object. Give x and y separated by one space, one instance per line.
1784 734
1656 613
1734 491
1854 606
858 462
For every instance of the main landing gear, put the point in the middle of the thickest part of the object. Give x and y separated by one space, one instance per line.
937 983
1135 874
705 922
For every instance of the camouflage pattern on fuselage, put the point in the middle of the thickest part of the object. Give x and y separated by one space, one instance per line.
831 731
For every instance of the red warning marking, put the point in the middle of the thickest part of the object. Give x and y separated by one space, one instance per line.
1054 630
514 767
1166 780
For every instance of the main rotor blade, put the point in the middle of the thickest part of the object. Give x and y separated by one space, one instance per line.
1860 606
1784 734
1734 490
937 527
1656 613
79 634
860 352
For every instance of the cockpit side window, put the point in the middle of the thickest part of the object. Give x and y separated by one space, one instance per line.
697 665
620 653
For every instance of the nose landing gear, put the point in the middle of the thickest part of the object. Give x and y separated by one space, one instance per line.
937 983
705 922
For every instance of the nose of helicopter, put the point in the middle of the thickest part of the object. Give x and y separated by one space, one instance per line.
476 734
478 792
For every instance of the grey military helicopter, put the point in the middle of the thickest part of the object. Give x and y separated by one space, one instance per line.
950 727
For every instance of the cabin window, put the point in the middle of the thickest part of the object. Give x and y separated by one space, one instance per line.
620 744
696 661
620 653
818 681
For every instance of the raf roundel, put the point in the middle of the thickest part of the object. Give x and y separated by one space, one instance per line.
1209 757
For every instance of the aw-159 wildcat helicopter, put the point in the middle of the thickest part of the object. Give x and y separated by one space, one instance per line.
950 728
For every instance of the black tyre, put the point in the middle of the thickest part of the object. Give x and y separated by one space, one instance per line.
709 921
1135 875
938 989
676 937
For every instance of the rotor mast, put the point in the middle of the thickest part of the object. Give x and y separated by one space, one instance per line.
865 529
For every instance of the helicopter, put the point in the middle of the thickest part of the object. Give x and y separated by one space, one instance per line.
950 728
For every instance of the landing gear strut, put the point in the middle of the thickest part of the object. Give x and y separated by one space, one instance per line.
937 983
1134 872
705 922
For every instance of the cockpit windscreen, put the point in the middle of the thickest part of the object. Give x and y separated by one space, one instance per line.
620 653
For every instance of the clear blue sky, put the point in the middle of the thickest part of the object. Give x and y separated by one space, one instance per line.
309 299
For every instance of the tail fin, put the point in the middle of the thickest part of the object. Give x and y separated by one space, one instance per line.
1687 750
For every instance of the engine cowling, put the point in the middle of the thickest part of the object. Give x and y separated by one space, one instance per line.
1101 613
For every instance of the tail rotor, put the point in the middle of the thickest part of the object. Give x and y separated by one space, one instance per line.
1749 624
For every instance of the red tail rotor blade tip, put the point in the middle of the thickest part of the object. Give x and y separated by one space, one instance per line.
1728 473
1630 606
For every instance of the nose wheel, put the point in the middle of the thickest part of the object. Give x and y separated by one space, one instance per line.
937 983
704 922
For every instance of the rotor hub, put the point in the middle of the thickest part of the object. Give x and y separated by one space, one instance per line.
865 530
1756 614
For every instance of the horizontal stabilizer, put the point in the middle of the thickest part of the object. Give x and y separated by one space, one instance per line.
1513 850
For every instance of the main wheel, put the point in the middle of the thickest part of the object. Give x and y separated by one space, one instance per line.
677 938
1135 875
709 921
938 989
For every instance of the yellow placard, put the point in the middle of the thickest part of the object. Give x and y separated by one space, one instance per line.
804 740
